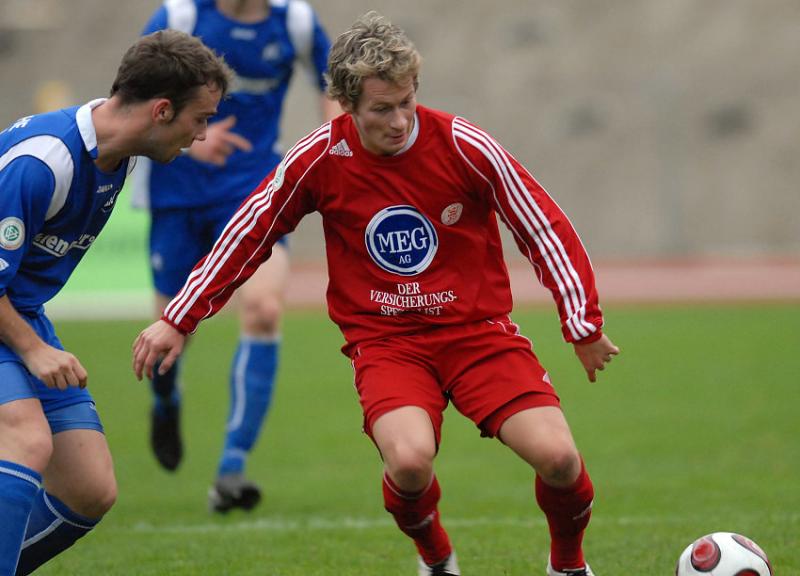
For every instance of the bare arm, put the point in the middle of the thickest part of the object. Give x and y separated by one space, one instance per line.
595 355
56 368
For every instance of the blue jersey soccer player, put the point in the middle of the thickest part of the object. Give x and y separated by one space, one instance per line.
196 195
61 173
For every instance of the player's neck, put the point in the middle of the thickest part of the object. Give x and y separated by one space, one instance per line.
111 125
245 11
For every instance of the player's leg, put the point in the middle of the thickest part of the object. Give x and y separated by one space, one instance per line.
165 430
25 449
500 385
252 379
402 405
79 486
172 258
406 440
564 491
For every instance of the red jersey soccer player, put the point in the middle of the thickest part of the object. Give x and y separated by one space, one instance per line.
418 286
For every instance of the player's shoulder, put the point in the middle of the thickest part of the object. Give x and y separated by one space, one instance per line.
311 148
179 6
434 113
293 5
445 119
52 137
190 5
467 133
436 125
183 15
434 119
298 16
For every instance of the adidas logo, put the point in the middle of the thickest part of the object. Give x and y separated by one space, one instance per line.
341 149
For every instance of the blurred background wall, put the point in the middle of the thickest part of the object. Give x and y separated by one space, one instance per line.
664 129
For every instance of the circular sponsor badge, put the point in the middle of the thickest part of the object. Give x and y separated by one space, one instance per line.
401 240
12 233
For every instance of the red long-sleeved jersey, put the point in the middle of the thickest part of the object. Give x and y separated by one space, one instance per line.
411 239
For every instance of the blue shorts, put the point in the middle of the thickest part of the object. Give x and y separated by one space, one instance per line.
180 237
68 409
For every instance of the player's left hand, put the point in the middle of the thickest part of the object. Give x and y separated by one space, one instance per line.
159 341
595 355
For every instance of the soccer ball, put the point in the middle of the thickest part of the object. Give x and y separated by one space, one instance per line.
723 554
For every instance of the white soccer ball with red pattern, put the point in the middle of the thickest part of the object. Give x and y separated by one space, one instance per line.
723 554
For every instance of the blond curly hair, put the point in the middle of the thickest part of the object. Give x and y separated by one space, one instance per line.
371 47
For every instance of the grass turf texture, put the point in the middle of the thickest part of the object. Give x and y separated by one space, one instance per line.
694 429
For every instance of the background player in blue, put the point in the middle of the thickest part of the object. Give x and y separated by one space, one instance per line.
261 40
60 175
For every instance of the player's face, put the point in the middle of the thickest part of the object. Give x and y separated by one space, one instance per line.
384 114
189 125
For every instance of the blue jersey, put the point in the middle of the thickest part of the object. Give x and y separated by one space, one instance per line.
53 204
263 56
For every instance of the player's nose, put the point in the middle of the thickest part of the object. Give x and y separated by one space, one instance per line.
201 134
398 121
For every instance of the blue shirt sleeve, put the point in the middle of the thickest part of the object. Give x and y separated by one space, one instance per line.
28 185
158 21
319 53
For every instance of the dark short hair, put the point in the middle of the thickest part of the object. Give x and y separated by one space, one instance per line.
169 64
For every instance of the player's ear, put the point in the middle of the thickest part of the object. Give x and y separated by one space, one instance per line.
163 110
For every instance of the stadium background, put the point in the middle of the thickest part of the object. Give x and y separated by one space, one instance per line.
666 130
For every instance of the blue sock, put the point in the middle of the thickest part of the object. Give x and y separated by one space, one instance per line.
165 387
52 528
252 379
18 487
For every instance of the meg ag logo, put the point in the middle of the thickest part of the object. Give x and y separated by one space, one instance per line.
401 240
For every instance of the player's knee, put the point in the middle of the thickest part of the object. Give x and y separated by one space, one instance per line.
35 447
29 443
95 497
261 316
105 498
409 466
560 466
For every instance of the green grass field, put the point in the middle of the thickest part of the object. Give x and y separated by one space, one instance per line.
693 429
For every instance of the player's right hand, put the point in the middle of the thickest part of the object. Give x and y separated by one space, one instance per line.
56 368
595 355
219 143
159 341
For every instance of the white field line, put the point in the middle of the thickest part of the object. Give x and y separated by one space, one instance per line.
320 524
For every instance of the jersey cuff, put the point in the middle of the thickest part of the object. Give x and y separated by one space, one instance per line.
176 326
589 339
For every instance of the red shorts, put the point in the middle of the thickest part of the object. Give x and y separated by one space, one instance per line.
486 369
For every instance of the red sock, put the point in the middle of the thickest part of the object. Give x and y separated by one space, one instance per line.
417 516
568 511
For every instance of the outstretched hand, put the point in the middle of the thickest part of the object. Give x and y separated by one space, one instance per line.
219 143
159 341
595 355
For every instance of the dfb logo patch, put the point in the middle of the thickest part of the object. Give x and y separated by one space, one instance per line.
401 240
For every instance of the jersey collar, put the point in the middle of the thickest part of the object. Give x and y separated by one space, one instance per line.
411 137
83 117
